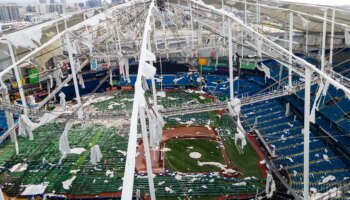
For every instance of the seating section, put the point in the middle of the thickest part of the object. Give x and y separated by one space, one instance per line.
212 84
3 123
333 115
330 119
283 133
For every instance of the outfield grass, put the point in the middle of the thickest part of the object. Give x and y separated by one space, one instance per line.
247 162
178 158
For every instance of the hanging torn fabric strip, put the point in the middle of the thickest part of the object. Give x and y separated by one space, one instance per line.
95 154
347 35
317 98
110 77
126 61
255 122
240 134
58 75
234 107
121 66
51 81
156 125
26 126
144 84
325 89
258 46
31 100
81 80
287 109
62 101
124 67
64 143
152 128
149 56
148 70
264 69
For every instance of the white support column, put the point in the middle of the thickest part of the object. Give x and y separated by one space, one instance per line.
60 39
147 153
74 74
291 23
9 115
161 71
245 11
223 18
306 131
10 121
86 28
65 24
154 33
245 21
324 34
332 40
191 15
230 55
154 91
18 79
257 15
118 36
200 38
165 41
57 29
242 46
128 180
166 45
307 39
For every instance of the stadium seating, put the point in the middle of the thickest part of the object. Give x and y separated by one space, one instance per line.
284 136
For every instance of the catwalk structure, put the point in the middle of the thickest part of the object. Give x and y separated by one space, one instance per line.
166 99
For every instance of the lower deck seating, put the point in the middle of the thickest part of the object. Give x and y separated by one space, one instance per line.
283 133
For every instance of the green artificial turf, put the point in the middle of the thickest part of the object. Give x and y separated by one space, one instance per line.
122 101
247 162
89 179
178 159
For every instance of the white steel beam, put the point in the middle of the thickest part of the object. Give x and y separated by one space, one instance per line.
57 37
299 64
74 74
230 55
291 23
332 40
324 34
306 131
128 180
223 18
306 15
191 16
306 38
147 153
18 79
9 116
245 11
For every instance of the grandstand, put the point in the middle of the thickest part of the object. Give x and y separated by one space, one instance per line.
187 99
